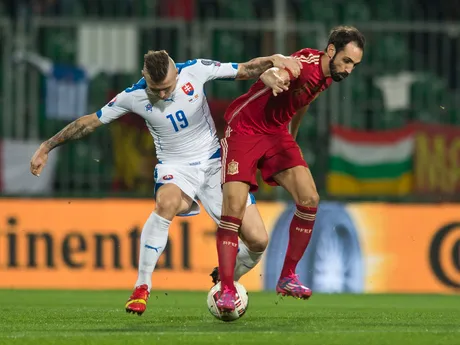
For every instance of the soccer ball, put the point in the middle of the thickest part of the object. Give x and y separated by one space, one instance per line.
241 303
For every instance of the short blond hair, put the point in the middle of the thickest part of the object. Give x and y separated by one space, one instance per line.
156 65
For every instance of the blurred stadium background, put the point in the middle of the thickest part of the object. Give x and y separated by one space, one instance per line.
403 101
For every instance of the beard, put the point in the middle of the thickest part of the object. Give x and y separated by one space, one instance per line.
336 76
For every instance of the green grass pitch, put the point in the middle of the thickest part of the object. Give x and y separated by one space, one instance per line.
98 317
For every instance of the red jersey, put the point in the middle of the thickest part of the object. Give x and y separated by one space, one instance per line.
258 111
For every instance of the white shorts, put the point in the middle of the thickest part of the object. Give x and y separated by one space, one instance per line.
200 182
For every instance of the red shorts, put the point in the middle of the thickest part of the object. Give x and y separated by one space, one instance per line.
243 154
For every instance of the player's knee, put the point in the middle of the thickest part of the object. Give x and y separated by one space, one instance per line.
258 244
310 199
167 206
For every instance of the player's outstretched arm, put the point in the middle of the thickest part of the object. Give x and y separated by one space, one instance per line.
255 67
73 131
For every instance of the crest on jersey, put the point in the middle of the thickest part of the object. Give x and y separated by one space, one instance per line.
168 177
188 89
112 102
232 168
148 107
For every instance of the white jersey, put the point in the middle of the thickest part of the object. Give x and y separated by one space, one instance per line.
182 126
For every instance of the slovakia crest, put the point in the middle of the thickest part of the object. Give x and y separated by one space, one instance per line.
188 89
148 107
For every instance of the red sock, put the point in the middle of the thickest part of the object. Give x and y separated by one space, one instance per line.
299 236
227 249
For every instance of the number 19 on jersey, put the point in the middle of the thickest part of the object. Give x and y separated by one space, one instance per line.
178 120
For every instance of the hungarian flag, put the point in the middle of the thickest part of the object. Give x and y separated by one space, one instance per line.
363 163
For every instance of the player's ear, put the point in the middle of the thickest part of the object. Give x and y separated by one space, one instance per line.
330 51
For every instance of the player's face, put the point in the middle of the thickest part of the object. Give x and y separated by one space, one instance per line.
164 89
343 62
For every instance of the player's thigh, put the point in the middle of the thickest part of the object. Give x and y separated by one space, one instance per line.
283 153
171 200
299 182
240 154
211 195
175 190
253 231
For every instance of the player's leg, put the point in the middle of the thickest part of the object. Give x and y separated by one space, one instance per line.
233 208
170 200
253 242
289 170
239 158
299 183
253 236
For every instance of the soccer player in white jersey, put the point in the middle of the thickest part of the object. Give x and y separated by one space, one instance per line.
171 99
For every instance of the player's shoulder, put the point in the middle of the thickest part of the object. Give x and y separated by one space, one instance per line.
198 66
186 66
189 69
309 56
141 85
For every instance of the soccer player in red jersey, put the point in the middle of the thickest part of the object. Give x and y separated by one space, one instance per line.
260 134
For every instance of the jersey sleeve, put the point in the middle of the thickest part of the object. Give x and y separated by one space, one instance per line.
117 107
207 70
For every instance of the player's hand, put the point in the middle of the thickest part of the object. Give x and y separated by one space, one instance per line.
271 79
38 161
287 62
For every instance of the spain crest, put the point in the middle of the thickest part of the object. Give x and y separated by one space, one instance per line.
232 168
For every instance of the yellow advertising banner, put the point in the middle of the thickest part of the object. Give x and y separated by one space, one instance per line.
93 244
355 248
409 248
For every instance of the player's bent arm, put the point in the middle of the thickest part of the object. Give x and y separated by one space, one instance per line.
296 120
255 67
73 131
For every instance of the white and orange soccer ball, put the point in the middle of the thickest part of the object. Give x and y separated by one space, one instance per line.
241 303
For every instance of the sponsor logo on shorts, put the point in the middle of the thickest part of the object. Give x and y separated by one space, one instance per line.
232 168
168 177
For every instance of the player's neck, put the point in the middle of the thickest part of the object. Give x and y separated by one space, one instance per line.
325 65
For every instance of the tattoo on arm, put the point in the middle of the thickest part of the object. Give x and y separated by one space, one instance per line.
73 131
254 68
